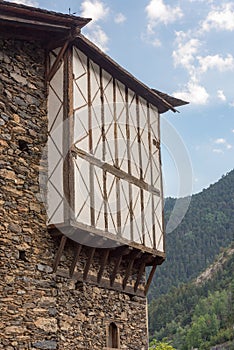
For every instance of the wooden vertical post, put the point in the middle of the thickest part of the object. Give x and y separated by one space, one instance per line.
91 166
68 138
151 175
141 170
131 214
116 159
105 197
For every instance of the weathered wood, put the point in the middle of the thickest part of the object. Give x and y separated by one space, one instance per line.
116 269
105 283
139 141
25 21
161 189
132 257
114 171
123 250
76 258
88 263
103 265
57 62
59 252
131 213
68 137
149 280
151 174
91 169
110 237
141 270
116 161
104 176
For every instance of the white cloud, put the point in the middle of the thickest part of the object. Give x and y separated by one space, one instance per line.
217 150
157 11
194 93
216 61
98 37
25 2
207 1
220 18
184 55
221 95
120 18
220 141
96 10
233 130
151 39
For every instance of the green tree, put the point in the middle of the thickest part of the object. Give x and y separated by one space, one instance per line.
156 345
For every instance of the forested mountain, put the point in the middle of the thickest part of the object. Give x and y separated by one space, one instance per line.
207 227
191 301
199 314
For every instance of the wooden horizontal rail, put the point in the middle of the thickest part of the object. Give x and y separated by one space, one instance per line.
114 171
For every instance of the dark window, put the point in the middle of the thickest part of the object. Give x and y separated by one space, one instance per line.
113 339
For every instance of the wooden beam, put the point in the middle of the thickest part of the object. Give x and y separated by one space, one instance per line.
110 238
149 280
116 269
114 171
104 175
105 283
131 213
123 250
141 270
75 260
88 263
116 164
91 165
68 138
102 265
134 255
151 173
59 253
57 62
115 241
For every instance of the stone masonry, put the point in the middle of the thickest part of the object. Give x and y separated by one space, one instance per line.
39 309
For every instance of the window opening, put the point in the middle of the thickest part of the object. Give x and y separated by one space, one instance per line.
113 336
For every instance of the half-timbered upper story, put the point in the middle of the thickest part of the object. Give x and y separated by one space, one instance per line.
104 149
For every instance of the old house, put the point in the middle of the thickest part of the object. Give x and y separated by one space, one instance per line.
81 200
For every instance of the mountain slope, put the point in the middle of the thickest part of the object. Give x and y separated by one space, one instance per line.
199 314
207 227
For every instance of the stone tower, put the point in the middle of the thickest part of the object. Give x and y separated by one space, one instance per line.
81 202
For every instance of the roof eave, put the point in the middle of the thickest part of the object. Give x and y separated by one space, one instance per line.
16 19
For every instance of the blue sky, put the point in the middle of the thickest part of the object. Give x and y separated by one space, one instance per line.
184 48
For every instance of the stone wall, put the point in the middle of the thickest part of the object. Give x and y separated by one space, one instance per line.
38 309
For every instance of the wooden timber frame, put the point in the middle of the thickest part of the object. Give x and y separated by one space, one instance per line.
133 256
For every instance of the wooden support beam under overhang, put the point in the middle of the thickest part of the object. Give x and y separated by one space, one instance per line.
131 258
59 252
76 258
124 258
103 263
